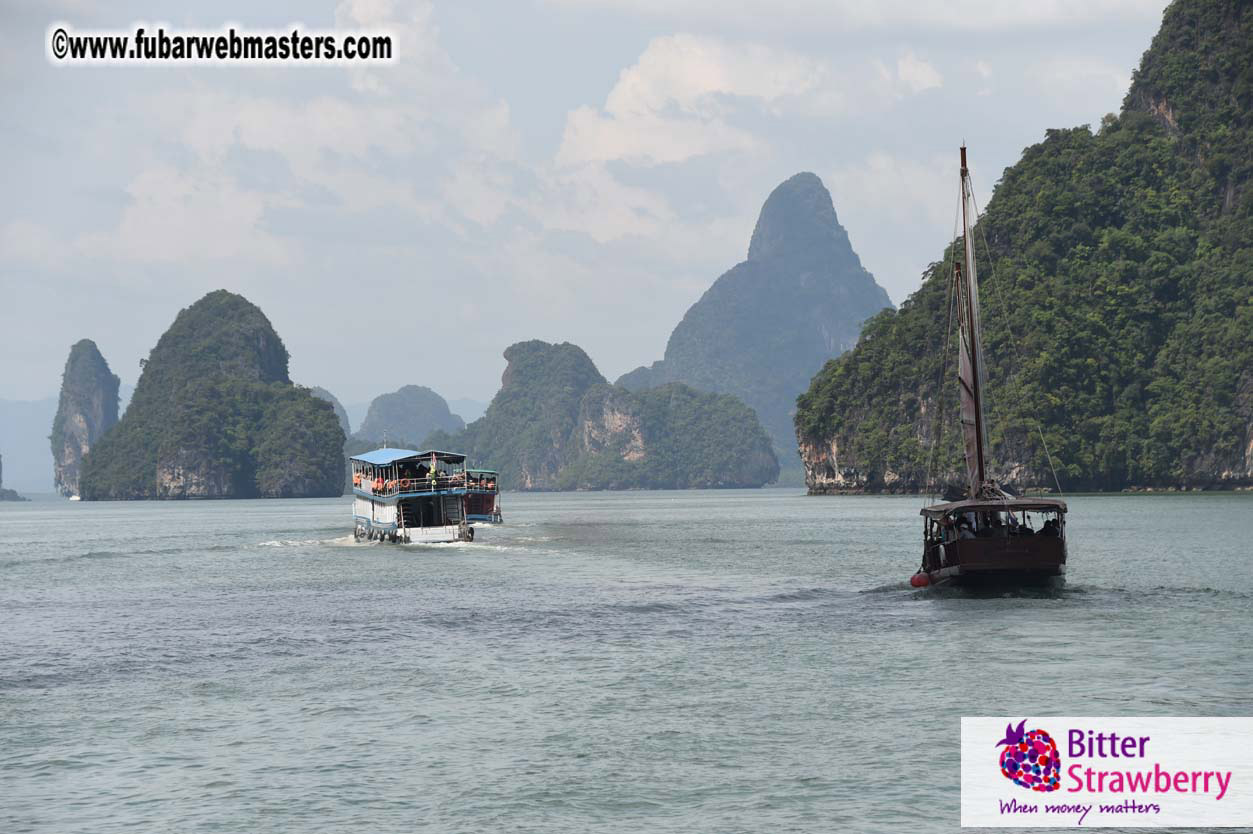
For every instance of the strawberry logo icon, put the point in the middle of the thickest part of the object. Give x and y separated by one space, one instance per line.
1030 758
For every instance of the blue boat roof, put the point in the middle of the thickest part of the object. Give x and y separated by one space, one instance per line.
383 457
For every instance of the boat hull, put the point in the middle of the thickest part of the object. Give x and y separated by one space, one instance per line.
438 534
999 562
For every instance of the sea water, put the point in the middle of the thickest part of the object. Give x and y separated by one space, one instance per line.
605 662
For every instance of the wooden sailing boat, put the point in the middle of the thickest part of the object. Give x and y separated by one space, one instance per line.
990 536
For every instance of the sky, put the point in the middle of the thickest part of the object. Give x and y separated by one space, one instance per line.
565 170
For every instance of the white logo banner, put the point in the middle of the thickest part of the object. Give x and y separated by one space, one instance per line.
1061 771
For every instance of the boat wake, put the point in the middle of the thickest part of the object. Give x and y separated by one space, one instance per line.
305 542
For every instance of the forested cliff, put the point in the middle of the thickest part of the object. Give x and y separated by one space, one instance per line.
1116 283
557 424
215 415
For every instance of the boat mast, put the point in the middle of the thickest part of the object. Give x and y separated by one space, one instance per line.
970 368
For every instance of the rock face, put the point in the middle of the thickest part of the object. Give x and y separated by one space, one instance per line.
769 323
340 412
410 414
1115 280
557 424
215 416
87 409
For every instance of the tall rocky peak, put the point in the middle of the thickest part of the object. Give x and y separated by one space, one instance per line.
88 409
214 415
767 325
556 424
798 223
410 414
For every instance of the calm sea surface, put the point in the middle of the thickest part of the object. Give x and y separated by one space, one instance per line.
612 662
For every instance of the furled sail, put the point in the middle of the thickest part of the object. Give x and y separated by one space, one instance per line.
971 373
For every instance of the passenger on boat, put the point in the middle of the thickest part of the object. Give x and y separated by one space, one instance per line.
1050 529
963 529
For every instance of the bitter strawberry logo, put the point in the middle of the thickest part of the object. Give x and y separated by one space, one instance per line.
1030 758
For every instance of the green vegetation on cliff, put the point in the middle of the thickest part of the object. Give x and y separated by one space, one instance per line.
341 413
1120 264
214 415
691 440
556 424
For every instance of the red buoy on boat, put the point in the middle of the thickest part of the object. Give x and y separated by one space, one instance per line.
919 580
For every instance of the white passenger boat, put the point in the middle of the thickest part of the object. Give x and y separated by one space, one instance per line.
400 495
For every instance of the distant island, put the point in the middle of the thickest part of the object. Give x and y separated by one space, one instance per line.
767 325
411 411
215 415
87 409
557 424
1116 294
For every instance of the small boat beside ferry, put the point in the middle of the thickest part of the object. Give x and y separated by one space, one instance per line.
989 537
428 497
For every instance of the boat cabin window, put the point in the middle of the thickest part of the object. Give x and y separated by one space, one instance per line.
979 524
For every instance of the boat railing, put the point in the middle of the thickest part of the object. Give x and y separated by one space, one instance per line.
441 483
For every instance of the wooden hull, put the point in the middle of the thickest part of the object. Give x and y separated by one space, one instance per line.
1003 562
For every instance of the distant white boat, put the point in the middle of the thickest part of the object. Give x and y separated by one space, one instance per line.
75 498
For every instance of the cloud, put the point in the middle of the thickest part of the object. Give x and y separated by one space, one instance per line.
846 15
357 143
589 199
916 74
184 217
33 244
688 97
675 101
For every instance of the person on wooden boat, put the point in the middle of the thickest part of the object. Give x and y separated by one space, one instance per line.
963 529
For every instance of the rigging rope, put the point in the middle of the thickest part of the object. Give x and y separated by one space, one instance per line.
1013 342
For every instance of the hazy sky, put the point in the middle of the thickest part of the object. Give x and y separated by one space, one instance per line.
575 170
